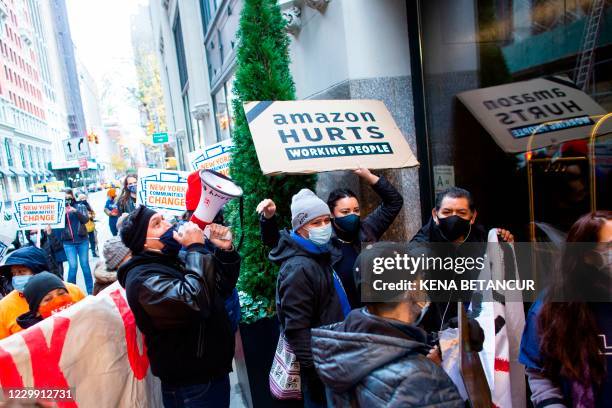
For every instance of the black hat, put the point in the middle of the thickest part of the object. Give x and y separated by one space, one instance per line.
38 286
134 228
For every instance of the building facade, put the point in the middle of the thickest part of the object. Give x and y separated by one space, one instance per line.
24 133
148 92
416 56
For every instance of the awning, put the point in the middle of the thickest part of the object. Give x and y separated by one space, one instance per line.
16 172
5 172
28 172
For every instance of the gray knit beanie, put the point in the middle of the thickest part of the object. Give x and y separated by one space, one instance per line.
305 207
114 251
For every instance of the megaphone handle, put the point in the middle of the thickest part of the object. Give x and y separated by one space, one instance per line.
227 236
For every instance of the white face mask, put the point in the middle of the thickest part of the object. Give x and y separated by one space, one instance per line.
320 235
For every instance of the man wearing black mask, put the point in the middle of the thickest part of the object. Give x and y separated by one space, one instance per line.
179 307
454 221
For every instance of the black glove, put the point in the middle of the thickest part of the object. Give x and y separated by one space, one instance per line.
475 332
316 389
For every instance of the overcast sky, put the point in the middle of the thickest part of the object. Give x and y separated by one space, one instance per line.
101 33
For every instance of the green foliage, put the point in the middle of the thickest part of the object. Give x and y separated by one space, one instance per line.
262 74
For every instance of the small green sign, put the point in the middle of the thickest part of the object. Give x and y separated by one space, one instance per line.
160 138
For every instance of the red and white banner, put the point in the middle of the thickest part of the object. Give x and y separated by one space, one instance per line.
503 325
92 348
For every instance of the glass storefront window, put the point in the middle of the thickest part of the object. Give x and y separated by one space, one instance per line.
9 153
22 156
471 44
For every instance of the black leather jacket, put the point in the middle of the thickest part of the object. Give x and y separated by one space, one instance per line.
179 309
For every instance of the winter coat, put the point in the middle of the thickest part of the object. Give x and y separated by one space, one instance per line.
14 305
305 294
369 361
30 256
75 231
126 206
178 306
372 228
53 246
557 392
441 313
103 277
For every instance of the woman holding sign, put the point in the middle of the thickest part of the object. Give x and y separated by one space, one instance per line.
348 227
76 242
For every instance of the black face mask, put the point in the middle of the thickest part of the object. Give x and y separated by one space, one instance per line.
171 246
454 227
349 224
70 201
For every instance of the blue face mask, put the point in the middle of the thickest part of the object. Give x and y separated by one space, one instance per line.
132 189
19 282
171 246
348 223
320 235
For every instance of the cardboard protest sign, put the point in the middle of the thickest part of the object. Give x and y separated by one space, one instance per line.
316 135
162 190
40 209
532 114
92 352
214 157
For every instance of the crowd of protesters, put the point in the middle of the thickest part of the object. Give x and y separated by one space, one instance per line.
352 352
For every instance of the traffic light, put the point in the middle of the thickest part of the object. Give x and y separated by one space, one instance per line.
96 139
90 137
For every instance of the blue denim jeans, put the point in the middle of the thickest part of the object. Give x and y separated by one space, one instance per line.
79 253
112 224
215 394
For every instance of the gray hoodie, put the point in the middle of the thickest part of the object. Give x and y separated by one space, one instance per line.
369 361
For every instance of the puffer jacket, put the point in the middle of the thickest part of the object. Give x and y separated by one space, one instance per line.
305 293
369 361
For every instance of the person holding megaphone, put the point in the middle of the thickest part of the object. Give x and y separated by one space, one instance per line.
178 305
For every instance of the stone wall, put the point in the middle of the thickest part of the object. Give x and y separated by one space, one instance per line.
396 93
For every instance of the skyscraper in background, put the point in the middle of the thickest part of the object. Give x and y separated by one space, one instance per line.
76 117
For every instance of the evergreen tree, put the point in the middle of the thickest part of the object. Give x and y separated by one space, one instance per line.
262 74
